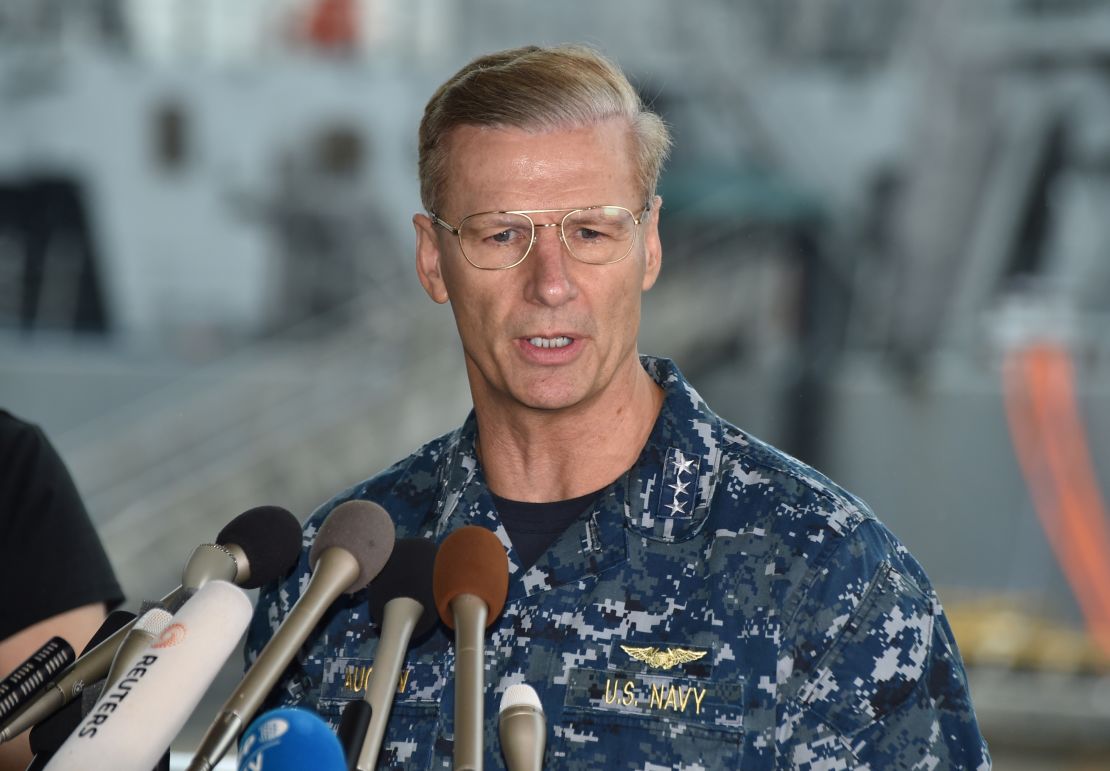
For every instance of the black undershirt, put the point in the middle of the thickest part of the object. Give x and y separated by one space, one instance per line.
533 527
51 560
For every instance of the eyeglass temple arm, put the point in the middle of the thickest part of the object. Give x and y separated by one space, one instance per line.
443 223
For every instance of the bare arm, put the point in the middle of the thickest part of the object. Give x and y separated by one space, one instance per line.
77 627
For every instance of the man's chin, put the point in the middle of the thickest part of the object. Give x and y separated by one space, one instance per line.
550 402
551 397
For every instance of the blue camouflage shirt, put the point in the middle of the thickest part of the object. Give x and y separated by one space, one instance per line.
720 605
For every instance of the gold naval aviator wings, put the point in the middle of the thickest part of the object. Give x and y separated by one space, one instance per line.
662 659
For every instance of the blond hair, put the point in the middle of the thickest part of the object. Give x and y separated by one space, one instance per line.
537 89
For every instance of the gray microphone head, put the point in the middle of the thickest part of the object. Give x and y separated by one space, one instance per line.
522 728
362 528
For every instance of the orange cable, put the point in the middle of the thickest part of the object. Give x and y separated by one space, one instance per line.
1069 458
1051 446
1023 429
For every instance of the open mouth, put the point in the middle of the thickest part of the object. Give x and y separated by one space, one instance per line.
550 342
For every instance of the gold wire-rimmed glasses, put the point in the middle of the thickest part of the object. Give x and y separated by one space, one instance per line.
499 240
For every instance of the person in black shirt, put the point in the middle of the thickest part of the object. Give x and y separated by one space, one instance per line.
54 574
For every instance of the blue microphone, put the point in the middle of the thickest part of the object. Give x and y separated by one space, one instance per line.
290 739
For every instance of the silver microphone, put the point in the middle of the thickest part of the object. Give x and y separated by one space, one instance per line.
522 728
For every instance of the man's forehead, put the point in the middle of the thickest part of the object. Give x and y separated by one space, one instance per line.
510 167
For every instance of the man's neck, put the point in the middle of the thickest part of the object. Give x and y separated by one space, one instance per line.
553 455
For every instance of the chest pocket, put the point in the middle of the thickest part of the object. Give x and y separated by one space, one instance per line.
618 720
414 719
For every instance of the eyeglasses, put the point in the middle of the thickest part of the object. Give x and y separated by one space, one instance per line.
498 240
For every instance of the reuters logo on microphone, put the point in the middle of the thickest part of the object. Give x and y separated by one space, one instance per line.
173 635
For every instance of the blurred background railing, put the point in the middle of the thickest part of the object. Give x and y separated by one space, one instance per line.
885 239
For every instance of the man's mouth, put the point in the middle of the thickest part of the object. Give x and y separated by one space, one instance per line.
550 342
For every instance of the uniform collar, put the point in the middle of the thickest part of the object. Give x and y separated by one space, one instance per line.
664 496
673 481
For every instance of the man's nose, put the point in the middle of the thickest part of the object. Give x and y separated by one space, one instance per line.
550 279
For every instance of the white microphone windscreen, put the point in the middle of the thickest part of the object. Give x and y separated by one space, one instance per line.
154 621
520 693
135 721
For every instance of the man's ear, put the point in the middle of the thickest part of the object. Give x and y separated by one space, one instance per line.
653 248
427 258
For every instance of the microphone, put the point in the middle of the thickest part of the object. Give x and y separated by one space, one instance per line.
87 669
30 676
471 581
521 726
256 547
351 547
46 737
352 730
147 629
265 541
403 604
134 722
290 739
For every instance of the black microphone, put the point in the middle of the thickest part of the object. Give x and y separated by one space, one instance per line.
34 673
352 730
266 542
403 605
471 581
258 546
351 547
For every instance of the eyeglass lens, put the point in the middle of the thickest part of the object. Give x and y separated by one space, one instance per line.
599 235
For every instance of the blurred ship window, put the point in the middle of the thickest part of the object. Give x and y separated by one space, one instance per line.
171 136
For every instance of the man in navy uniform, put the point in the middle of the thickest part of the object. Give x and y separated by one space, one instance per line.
681 595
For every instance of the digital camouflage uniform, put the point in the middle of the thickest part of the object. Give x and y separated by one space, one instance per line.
719 606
